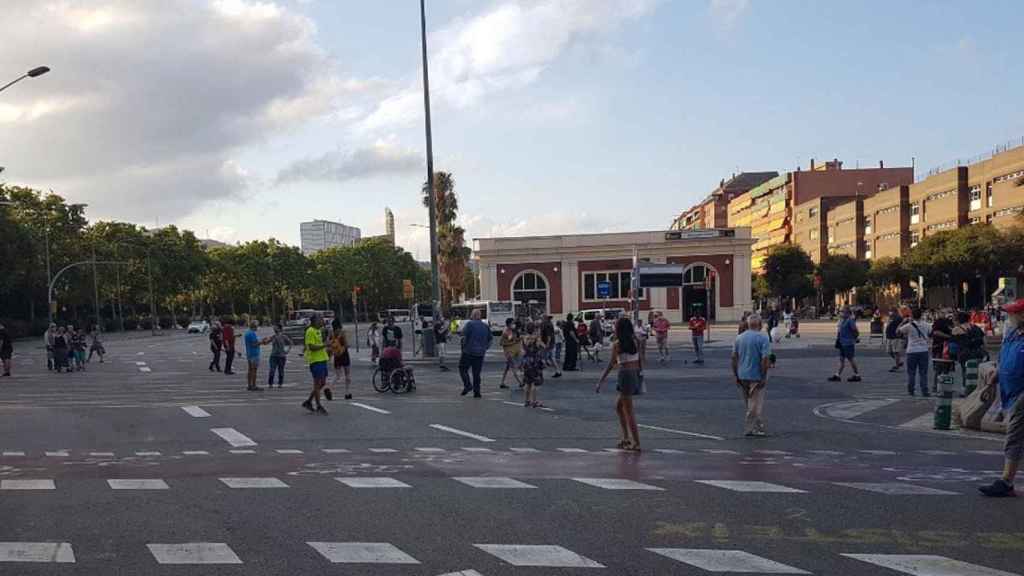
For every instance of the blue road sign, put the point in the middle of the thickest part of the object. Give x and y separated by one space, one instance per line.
604 289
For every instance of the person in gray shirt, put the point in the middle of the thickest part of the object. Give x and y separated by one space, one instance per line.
280 345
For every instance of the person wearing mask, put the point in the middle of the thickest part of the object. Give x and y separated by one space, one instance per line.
697 326
750 361
595 331
915 333
216 344
228 338
1011 398
316 357
512 347
280 345
894 341
476 339
77 347
6 349
969 340
626 355
572 344
846 342
252 355
48 337
547 339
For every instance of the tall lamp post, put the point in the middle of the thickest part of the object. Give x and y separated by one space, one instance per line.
33 73
435 283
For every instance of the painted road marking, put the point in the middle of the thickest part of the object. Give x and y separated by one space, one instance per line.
196 411
335 451
524 450
476 449
572 450
14 453
383 450
896 488
461 432
102 454
242 451
926 565
372 482
719 451
492 482
59 552
370 408
463 573
145 369
669 451
774 452
147 454
233 437
726 561
751 486
58 453
269 482
194 553
682 432
826 452
850 410
879 452
429 449
362 553
196 453
617 484
988 452
538 555
938 452
138 484
27 485
288 451
140 363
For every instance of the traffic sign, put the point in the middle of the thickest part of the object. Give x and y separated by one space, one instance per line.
604 289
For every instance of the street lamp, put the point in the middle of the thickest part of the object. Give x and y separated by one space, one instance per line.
435 284
33 73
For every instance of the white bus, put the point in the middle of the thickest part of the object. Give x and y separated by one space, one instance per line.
494 312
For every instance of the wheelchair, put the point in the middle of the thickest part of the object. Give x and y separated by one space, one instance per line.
392 374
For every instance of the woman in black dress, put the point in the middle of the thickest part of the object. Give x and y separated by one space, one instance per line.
572 345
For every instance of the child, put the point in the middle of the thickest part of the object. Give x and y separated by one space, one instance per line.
533 366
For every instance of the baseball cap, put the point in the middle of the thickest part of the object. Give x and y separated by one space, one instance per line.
1015 307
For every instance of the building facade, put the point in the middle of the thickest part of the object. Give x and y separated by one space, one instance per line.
845 222
713 211
995 189
318 235
561 274
937 203
811 225
886 223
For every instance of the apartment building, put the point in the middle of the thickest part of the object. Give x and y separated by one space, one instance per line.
317 235
811 225
845 225
712 212
766 210
886 222
937 203
995 189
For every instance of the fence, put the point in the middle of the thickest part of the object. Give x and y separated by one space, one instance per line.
997 149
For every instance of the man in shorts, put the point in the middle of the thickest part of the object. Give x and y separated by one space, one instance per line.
316 357
661 327
697 326
750 360
252 355
846 342
1011 396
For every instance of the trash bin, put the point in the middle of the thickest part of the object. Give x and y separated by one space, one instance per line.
428 348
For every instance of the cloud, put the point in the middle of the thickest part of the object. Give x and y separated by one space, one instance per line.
505 48
382 158
149 101
726 13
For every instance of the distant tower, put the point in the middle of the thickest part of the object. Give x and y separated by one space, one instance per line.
389 224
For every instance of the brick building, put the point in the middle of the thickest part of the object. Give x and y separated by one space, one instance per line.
886 222
845 224
560 274
811 225
712 212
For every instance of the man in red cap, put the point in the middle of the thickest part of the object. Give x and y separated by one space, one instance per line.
1011 395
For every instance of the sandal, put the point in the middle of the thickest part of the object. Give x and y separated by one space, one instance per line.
623 444
537 405
633 448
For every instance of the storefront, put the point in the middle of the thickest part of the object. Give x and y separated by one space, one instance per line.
570 273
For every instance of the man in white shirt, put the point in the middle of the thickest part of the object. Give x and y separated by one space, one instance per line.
918 334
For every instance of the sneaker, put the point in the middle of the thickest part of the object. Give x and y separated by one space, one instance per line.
894 369
854 378
759 433
477 396
527 404
348 396
557 375
998 489
465 391
835 378
308 405
503 386
321 410
328 394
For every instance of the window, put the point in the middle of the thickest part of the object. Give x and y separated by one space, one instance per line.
940 195
530 287
867 254
618 285
813 235
867 224
915 238
915 213
940 226
1009 176
831 235
975 220
1008 211
812 212
975 196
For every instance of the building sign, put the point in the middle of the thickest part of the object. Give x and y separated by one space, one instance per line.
699 234
660 275
604 289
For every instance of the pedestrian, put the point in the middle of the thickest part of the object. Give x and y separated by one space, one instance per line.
316 357
228 338
216 344
559 345
661 328
61 346
942 334
787 322
750 362
391 335
583 336
476 339
626 355
96 344
1011 397
595 331
373 342
6 349
252 355
697 326
915 333
895 343
533 365
643 333
969 340
742 326
48 338
846 342
77 347
512 347
280 345
572 344
342 361
441 332
547 339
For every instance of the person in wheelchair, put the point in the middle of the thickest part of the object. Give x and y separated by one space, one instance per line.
390 359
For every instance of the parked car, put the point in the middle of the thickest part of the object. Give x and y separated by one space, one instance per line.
198 327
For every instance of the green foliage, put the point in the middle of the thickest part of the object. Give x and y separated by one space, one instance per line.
952 256
841 273
887 271
787 270
453 254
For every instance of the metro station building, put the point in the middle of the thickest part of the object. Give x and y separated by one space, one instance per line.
561 274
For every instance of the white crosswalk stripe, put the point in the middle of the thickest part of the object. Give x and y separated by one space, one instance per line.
335 451
58 552
25 484
233 437
726 561
371 482
429 449
383 450
147 453
476 449
253 483
896 488
137 484
194 553
288 451
196 411
13 453
57 453
544 556
196 453
524 450
751 486
927 565
617 484
492 482
572 450
362 553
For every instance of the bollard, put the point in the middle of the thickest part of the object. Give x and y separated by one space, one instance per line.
970 376
944 409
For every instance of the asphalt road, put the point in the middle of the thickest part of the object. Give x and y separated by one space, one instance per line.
151 464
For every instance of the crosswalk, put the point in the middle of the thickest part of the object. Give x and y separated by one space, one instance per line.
515 555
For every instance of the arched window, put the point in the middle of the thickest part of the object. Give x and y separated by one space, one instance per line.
698 293
695 274
532 289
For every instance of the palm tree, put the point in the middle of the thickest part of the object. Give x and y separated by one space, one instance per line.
452 251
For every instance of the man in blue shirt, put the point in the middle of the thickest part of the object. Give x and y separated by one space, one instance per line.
846 342
1011 396
252 354
750 362
476 339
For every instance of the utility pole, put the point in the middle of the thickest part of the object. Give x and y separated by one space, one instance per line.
435 284
96 291
49 277
152 302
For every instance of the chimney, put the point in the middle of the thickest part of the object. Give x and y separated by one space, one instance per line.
881 164
812 164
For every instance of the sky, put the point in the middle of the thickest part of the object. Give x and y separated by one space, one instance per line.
239 119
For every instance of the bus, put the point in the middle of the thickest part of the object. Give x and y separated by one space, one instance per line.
494 312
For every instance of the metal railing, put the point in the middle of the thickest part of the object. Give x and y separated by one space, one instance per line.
997 149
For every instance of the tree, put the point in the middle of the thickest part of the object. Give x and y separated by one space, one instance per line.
885 272
452 252
787 270
840 273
